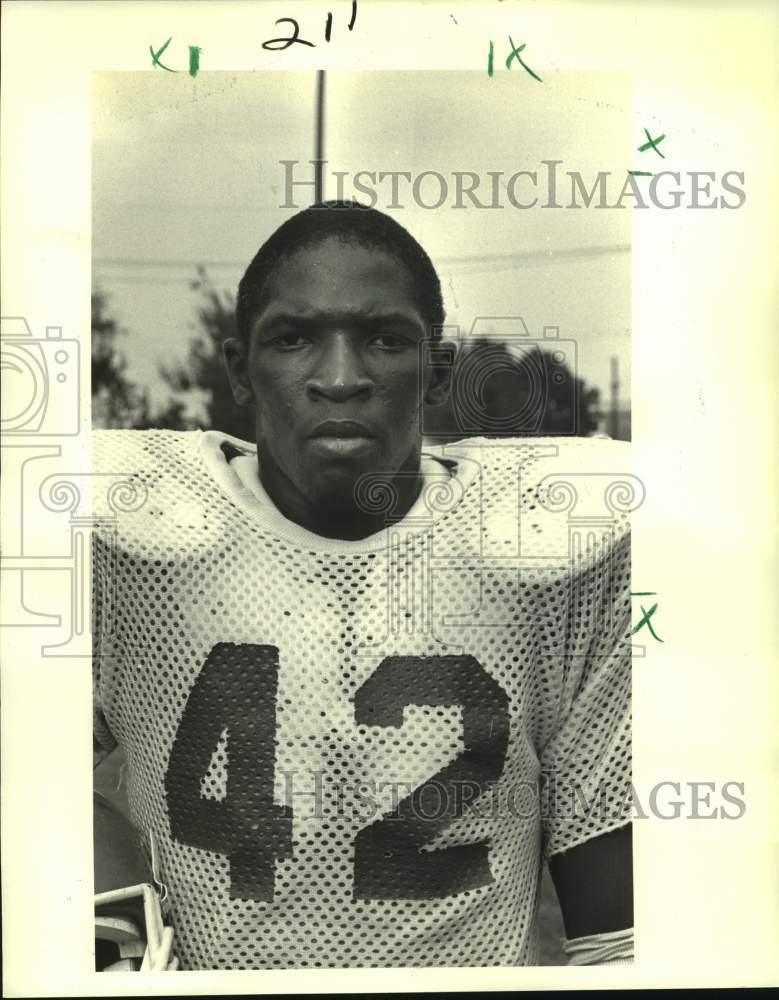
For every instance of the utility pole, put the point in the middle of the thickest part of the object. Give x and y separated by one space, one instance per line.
319 137
614 417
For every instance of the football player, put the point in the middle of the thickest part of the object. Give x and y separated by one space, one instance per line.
365 688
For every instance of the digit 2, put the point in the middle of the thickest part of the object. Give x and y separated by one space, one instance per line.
389 860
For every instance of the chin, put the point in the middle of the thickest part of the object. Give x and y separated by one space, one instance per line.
336 490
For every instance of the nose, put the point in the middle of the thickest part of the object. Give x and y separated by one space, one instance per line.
339 375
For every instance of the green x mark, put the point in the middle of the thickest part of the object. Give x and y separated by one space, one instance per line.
652 144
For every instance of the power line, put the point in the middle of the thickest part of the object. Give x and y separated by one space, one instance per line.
498 258
140 279
471 259
149 262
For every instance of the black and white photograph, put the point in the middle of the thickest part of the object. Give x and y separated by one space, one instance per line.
362 642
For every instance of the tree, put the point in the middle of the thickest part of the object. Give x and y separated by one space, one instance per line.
499 391
203 373
116 401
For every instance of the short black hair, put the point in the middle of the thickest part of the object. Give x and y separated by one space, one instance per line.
350 222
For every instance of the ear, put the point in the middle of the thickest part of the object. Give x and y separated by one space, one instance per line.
236 361
440 365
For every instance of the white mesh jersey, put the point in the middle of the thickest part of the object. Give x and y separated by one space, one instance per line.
343 749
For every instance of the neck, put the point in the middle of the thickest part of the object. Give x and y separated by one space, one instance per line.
339 515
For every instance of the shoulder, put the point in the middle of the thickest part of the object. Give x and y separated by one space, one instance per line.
140 452
550 485
139 472
535 458
162 487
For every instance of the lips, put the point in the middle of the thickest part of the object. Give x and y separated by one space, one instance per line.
343 440
341 429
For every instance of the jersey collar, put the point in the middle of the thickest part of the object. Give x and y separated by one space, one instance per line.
232 463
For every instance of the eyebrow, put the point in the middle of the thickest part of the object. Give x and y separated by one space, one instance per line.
346 318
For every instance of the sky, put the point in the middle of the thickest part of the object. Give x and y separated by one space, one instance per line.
188 171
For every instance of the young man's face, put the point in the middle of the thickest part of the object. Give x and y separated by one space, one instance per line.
333 367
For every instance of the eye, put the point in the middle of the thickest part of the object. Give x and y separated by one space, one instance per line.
390 341
290 341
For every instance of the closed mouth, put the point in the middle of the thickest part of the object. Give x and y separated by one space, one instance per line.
341 429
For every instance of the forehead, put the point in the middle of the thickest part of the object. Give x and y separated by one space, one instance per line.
334 276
